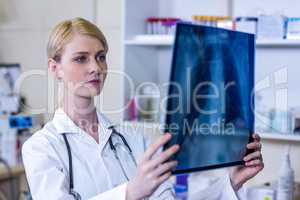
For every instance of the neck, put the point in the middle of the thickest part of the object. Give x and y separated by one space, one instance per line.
81 110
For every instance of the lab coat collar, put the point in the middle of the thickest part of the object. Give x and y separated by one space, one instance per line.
64 124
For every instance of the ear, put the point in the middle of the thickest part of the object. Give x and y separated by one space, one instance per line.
55 68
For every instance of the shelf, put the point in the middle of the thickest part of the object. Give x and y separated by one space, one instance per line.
278 43
280 137
151 40
167 40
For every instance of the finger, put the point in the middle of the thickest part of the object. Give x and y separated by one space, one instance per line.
152 149
253 163
256 137
166 167
254 145
164 156
252 156
164 177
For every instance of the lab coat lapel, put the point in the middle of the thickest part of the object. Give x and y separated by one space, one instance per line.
103 130
64 124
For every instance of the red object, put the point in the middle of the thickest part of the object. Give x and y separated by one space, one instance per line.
132 110
152 19
162 19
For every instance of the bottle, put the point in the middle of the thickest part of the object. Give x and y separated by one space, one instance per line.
181 187
132 110
285 188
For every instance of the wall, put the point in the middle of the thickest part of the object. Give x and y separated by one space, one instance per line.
182 9
244 8
24 29
110 19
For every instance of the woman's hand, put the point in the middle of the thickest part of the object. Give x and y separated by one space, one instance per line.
152 172
253 165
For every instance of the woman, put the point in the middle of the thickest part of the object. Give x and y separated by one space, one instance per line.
74 154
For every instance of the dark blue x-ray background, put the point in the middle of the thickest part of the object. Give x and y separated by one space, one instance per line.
217 66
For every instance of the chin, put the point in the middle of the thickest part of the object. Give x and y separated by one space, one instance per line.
90 93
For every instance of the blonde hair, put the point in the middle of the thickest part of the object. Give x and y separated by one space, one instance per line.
63 32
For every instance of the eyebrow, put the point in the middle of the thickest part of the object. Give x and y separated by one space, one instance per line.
86 52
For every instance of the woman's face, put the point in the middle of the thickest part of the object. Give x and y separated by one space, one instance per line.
82 66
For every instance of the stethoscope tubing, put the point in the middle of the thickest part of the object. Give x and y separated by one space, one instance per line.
75 194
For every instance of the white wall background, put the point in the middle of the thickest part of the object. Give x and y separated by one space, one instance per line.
182 9
24 29
110 18
254 7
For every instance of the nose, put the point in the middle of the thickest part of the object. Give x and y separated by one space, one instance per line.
96 67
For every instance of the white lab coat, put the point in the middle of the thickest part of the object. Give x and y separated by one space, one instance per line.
97 174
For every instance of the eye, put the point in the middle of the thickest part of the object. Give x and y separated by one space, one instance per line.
101 58
80 59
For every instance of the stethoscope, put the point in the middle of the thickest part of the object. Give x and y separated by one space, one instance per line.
75 194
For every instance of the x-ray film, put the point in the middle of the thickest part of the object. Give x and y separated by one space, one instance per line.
210 102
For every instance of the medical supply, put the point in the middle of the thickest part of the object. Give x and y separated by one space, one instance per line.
296 128
11 140
132 114
261 193
246 24
148 103
293 28
9 74
205 20
9 94
295 120
226 23
181 187
8 142
271 27
161 26
214 21
20 121
151 24
181 192
169 26
9 104
280 121
285 188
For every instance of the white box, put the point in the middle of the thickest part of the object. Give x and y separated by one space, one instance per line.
293 28
271 27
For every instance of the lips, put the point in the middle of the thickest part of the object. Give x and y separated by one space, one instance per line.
94 81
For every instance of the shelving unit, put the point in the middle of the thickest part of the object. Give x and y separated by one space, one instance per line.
148 58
